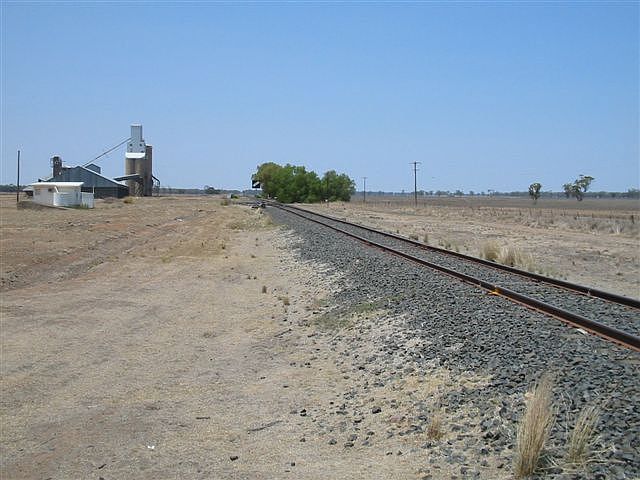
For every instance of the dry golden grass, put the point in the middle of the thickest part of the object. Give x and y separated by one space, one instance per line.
583 436
434 430
490 251
285 301
514 257
534 428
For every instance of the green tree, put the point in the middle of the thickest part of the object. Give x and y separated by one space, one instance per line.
579 187
293 183
583 183
534 191
337 187
267 175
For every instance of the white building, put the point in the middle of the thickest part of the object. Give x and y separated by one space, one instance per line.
61 194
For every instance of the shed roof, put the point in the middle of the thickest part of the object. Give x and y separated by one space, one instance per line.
56 184
89 177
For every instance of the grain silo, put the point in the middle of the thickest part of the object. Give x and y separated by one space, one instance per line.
138 163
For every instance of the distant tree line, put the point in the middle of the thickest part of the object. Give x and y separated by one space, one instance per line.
630 193
292 184
10 188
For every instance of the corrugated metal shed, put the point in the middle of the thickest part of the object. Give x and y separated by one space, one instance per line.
93 182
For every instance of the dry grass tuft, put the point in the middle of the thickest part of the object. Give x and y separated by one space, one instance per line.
435 430
490 251
534 428
448 244
513 257
285 301
128 200
509 255
583 436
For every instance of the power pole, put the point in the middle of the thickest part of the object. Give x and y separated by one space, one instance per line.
415 182
364 190
18 182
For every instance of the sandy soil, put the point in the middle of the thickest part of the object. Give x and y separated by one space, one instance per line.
165 338
595 242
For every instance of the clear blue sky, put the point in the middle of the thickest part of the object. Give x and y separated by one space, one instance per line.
485 95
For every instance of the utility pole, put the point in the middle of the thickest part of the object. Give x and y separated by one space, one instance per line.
18 182
364 190
415 182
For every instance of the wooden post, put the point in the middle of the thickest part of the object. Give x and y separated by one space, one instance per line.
18 182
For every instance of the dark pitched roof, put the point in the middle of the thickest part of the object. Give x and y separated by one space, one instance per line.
89 177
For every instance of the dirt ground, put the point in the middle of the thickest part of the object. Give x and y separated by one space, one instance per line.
595 242
167 339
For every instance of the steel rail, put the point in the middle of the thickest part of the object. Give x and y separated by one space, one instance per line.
591 292
611 334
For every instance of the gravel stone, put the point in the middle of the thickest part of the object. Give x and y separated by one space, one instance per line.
426 321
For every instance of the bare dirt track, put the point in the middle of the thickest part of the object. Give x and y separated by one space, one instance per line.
138 342
595 242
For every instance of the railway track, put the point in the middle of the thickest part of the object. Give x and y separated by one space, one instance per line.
613 317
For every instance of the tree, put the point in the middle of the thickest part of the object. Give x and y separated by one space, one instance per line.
583 183
267 176
534 191
293 183
579 187
210 190
337 187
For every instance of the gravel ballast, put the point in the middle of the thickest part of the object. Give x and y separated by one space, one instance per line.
473 355
619 316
